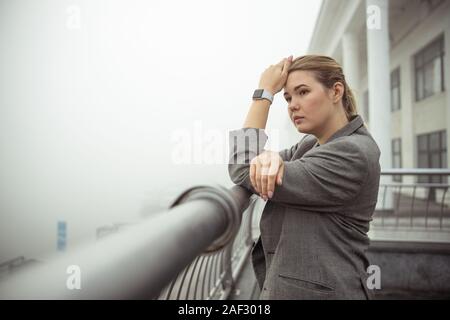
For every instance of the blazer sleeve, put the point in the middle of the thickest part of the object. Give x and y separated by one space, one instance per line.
325 178
244 144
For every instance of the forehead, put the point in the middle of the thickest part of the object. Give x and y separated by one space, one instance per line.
298 77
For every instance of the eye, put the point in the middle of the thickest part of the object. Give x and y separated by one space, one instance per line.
288 99
303 92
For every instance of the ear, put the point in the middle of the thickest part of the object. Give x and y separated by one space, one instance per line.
338 91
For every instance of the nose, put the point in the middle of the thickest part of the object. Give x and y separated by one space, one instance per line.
294 106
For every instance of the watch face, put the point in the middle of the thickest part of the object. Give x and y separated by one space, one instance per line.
258 93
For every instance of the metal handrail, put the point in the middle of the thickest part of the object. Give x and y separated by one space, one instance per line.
195 281
140 261
416 171
199 245
417 211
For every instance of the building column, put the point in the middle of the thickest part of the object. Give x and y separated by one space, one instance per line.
407 87
447 81
378 68
351 64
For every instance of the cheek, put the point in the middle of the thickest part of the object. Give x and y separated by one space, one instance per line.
289 112
313 103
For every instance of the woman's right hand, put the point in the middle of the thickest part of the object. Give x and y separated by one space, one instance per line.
274 77
266 170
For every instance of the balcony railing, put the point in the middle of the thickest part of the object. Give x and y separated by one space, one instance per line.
413 209
198 247
140 261
212 275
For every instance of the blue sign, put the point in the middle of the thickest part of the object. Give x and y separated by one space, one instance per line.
61 237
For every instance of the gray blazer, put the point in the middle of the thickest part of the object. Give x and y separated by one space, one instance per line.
314 229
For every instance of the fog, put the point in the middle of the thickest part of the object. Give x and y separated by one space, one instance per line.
109 109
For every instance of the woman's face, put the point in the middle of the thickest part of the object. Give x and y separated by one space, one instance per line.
310 104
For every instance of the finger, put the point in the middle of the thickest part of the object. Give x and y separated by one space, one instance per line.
271 178
287 63
280 175
258 176
253 174
264 178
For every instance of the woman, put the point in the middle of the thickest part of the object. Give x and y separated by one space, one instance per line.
320 194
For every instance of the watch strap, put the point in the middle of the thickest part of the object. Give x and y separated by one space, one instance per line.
262 94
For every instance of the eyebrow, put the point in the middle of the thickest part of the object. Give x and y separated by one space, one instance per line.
297 87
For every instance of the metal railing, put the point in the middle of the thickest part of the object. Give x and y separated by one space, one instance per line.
213 275
416 216
415 208
197 248
140 261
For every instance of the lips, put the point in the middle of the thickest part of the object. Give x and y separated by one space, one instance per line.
297 118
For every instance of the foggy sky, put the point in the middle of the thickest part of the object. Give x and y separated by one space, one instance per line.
93 92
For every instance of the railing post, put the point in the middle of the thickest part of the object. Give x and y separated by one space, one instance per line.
228 281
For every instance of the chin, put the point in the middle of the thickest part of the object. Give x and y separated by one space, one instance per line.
303 129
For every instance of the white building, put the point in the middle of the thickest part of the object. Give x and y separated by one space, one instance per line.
393 56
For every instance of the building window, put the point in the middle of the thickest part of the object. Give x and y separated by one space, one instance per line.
395 90
432 153
397 157
366 105
429 69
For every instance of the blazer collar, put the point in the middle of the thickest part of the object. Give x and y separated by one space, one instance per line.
354 124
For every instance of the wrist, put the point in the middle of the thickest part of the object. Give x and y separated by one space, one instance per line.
271 90
267 88
263 103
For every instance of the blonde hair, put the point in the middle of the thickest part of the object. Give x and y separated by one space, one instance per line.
327 71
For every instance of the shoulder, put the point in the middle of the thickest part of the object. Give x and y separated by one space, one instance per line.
359 145
364 141
304 145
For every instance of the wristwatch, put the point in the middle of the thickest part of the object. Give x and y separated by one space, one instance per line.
260 94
